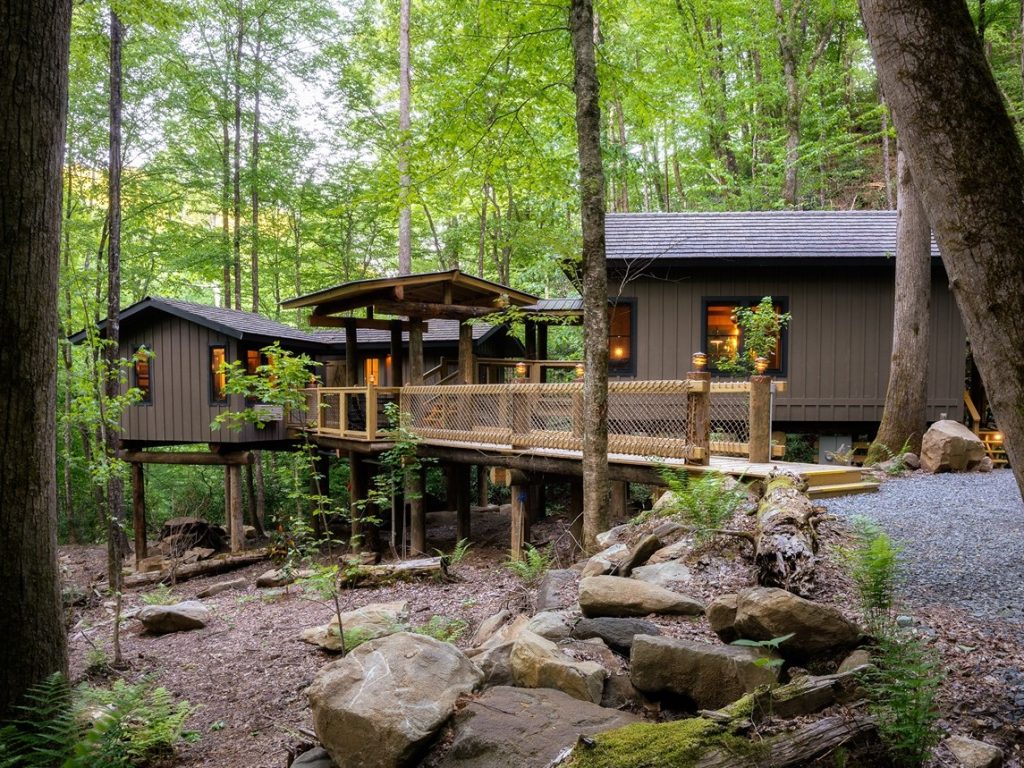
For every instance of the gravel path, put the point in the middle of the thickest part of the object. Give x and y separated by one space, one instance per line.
963 538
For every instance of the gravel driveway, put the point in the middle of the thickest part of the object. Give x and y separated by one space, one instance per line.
963 538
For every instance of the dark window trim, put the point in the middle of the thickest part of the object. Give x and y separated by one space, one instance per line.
148 399
629 368
210 391
750 301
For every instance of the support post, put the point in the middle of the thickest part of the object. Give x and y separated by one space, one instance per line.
619 500
576 512
416 483
351 363
139 511
698 417
462 502
237 522
227 500
760 419
397 357
520 521
483 497
465 353
357 491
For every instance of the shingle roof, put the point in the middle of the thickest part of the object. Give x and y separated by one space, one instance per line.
438 331
568 304
752 235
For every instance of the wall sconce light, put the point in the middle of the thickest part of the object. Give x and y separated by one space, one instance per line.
579 371
618 353
699 360
520 370
371 380
997 438
760 365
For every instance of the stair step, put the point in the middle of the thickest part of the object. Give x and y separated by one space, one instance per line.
842 489
833 477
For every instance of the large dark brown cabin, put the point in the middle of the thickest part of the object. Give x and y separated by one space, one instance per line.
188 341
676 276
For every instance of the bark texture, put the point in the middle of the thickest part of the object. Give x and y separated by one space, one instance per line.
785 541
969 170
594 275
33 111
404 123
906 398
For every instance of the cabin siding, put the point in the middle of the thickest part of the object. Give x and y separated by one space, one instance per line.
181 411
836 360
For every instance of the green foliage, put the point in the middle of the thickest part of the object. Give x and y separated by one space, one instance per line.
903 688
443 628
125 725
874 564
161 594
704 502
531 569
96 660
458 553
800 448
772 645
761 327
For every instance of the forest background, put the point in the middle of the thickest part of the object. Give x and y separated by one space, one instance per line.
261 153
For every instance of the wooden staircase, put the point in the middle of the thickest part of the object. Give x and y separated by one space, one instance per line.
841 481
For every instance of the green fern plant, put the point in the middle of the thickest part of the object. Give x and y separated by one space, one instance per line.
159 595
772 645
532 567
443 628
874 564
704 502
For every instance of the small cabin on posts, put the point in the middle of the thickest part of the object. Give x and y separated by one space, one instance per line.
177 347
675 279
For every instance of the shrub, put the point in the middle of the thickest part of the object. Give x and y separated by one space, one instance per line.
532 567
703 502
874 563
159 595
443 628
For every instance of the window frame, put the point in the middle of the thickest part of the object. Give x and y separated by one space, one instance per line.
628 369
782 302
210 390
148 399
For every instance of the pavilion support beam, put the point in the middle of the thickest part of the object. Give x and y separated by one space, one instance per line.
397 354
483 497
760 419
619 498
139 511
465 353
428 310
351 355
358 488
520 520
530 333
463 497
237 458
237 531
330 321
416 483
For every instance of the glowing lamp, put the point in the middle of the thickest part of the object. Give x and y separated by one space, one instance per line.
521 370
997 437
699 360
760 365
618 353
579 370
371 380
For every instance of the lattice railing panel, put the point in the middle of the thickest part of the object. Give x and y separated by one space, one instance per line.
730 417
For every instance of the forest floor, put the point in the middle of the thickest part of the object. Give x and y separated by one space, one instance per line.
247 670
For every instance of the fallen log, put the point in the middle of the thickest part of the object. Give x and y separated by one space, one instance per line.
358 575
785 542
798 747
219 564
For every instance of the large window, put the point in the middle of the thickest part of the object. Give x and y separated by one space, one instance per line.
142 368
218 379
622 337
723 338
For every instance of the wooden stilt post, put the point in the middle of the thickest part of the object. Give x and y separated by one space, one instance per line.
619 498
416 483
237 522
139 511
250 495
576 512
351 361
483 498
227 500
462 502
760 419
520 520
418 517
357 491
698 414
465 353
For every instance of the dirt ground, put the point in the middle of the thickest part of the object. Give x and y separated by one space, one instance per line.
247 670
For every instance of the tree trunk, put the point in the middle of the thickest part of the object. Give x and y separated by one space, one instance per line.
969 171
906 399
886 156
404 106
254 178
33 111
236 180
115 485
594 274
789 56
225 214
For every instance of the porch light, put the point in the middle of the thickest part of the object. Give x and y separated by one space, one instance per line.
760 365
579 371
618 353
371 380
997 437
699 360
521 370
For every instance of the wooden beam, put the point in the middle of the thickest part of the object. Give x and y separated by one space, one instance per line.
462 502
760 419
139 511
331 321
482 495
520 521
233 458
428 309
237 521
397 354
465 353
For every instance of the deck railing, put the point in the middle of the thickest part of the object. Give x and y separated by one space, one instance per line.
688 419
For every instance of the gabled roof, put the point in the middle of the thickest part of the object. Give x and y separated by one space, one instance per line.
452 287
250 326
752 235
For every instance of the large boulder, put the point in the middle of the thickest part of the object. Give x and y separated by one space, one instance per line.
949 446
494 655
618 633
223 586
555 590
537 663
709 676
164 619
520 728
380 705
663 574
551 625
362 624
676 551
764 613
971 753
616 596
721 615
639 554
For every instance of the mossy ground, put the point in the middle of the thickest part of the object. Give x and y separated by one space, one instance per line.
679 744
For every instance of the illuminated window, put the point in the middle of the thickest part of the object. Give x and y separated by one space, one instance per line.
371 370
621 337
723 338
253 360
218 379
142 362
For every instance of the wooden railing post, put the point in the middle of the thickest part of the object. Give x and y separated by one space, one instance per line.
698 416
371 411
760 419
